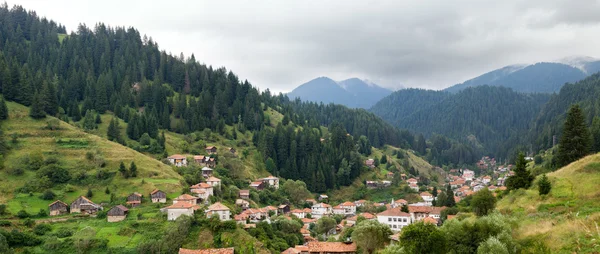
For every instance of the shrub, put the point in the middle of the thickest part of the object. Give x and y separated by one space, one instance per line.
28 222
5 223
23 214
63 232
42 229
42 213
48 195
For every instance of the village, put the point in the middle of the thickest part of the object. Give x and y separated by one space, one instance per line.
395 213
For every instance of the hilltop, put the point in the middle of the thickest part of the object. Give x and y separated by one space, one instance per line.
567 219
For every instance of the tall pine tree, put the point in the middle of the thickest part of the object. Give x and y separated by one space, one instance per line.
575 139
595 131
522 178
37 109
3 109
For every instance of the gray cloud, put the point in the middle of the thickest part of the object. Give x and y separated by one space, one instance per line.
281 44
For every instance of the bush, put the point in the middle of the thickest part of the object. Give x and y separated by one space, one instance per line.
5 223
63 232
42 213
3 209
48 195
42 229
28 222
23 214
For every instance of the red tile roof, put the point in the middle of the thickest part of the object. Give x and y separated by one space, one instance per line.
217 207
155 191
394 212
430 220
331 247
177 157
180 205
207 251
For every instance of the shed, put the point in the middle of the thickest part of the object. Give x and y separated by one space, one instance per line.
58 207
158 196
117 213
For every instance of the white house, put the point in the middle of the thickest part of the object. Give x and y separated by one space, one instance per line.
299 213
414 186
427 197
321 209
178 160
202 190
219 210
398 203
486 179
213 181
349 208
271 181
394 218
468 174
338 210
178 209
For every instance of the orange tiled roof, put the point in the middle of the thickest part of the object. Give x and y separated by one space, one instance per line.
177 157
180 205
430 220
331 247
207 251
394 212
218 207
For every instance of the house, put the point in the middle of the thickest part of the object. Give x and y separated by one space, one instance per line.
186 198
310 201
403 176
208 251
271 181
338 210
436 212
283 209
371 184
211 149
394 218
468 174
385 184
117 213
134 199
272 209
398 203
427 197
58 208
413 186
257 185
299 213
321 209
178 160
242 203
370 163
390 175
231 150
412 181
430 220
316 247
256 215
323 197
179 209
421 212
213 181
219 210
486 179
202 190
85 206
360 203
241 218
205 161
158 196
245 194
207 172
349 208
352 220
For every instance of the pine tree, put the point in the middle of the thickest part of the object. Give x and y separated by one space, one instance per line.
98 119
50 97
89 123
123 170
522 178
450 202
383 159
404 209
74 112
3 109
133 169
37 109
90 194
575 140
544 185
114 133
595 131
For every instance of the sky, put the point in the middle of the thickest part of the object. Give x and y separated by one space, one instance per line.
279 45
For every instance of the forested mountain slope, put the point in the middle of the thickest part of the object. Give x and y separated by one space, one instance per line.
491 116
537 78
551 118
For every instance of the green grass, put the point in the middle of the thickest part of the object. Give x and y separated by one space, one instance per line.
70 145
566 220
61 37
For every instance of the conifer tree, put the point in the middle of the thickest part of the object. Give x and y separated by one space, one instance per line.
450 202
522 178
133 169
50 97
123 170
98 119
113 133
37 109
575 140
3 109
544 185
595 131
74 112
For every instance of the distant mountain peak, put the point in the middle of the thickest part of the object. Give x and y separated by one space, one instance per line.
579 62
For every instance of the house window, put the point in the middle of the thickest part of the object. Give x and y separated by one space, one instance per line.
395 226
389 219
395 219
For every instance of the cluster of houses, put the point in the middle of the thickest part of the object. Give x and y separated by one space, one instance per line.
464 183
179 160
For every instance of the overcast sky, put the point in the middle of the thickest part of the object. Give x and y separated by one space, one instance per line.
282 44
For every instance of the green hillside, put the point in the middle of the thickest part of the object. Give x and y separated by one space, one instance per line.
567 220
87 158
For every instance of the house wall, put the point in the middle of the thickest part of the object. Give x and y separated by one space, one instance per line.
396 223
173 214
159 200
115 218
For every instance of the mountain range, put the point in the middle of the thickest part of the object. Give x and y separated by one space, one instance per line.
353 93
543 77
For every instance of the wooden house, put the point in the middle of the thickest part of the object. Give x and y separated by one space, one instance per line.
58 208
158 196
207 172
85 206
231 150
283 209
258 185
178 160
205 161
134 199
211 149
117 213
245 194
